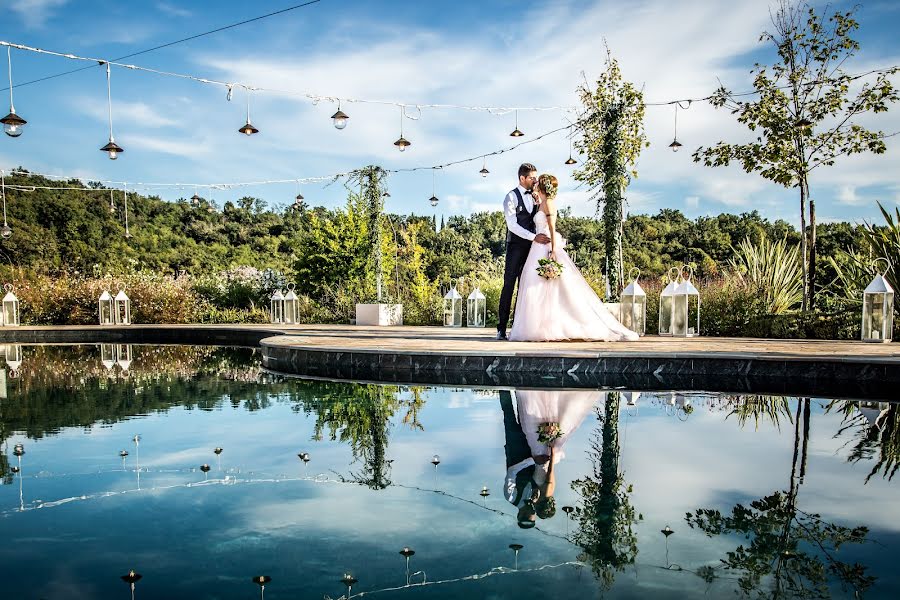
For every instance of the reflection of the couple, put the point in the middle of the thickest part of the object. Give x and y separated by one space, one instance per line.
530 463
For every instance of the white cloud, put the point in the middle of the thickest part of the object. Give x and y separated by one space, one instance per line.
138 114
34 13
848 195
172 10
692 202
187 149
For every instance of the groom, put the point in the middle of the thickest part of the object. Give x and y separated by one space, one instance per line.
519 209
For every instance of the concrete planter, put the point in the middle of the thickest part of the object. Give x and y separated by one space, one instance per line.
379 314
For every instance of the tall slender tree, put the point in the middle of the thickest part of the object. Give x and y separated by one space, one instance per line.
612 137
808 110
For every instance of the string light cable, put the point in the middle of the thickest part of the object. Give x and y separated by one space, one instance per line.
187 39
314 98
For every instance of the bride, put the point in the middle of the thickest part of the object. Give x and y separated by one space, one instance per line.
565 308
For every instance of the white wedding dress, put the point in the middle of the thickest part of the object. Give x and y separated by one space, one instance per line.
565 308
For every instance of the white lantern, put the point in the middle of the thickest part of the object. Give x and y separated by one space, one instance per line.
665 302
123 356
122 307
10 308
686 309
476 314
106 308
878 309
452 308
276 312
13 355
291 307
108 356
634 305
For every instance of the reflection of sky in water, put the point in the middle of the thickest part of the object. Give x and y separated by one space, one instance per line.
207 540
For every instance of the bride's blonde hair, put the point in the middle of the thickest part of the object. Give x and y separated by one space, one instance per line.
549 185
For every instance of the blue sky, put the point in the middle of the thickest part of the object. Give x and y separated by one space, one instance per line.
493 52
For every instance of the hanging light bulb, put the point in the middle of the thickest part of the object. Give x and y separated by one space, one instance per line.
484 172
12 123
675 145
402 143
248 128
340 117
111 148
516 132
6 230
570 161
230 93
434 199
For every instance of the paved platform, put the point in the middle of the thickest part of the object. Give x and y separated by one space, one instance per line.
451 356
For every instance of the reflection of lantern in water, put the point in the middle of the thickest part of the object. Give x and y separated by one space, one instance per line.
667 531
206 469
484 493
568 510
131 579
218 453
515 548
108 355
19 451
123 357
407 553
261 581
123 454
13 354
349 580
435 460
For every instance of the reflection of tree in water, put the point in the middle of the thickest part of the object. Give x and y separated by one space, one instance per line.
791 553
877 428
605 516
62 387
360 415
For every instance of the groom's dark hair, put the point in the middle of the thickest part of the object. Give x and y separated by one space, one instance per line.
526 169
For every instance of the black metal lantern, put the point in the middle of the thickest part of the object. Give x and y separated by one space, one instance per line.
340 118
12 123
516 132
248 128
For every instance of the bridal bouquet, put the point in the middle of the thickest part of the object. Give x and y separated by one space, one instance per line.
549 268
548 433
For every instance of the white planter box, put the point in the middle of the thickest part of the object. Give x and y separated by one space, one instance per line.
379 314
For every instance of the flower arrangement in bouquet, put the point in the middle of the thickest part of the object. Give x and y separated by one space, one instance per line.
549 268
548 433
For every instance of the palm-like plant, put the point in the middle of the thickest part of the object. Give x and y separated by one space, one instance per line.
773 268
885 241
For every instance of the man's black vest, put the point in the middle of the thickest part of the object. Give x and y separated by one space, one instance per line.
524 218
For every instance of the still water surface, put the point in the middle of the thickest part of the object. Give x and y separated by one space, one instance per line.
664 495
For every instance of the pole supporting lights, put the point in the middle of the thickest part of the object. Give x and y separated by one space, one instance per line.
111 148
12 123
248 128
6 230
340 118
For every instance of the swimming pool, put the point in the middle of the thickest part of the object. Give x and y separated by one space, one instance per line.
664 493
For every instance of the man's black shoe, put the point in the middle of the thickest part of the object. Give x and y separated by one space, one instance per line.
501 336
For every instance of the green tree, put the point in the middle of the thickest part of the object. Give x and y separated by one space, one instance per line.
612 137
807 113
605 516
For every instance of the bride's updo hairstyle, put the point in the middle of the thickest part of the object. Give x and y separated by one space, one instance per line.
548 184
